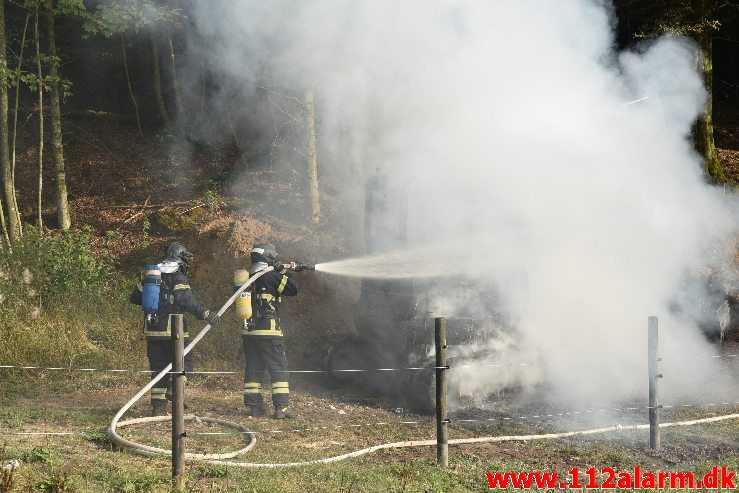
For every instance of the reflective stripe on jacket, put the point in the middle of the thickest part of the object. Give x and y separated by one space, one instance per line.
266 298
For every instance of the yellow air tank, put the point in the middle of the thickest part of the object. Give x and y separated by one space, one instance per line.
243 302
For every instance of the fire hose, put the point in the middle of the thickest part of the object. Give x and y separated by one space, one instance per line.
219 459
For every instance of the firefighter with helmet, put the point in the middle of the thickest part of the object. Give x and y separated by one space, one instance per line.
264 346
175 297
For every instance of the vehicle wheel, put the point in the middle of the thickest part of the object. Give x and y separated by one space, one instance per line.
339 352
420 392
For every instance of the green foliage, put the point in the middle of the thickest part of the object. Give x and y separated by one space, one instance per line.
142 483
212 200
145 227
39 454
99 438
112 237
213 472
61 304
59 7
32 80
52 268
177 222
55 483
69 7
118 17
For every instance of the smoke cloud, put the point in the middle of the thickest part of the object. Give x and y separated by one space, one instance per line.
513 123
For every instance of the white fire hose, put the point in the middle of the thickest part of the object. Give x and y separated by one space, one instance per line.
218 459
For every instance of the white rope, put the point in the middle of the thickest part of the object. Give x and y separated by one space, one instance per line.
712 356
42 433
347 370
241 372
59 368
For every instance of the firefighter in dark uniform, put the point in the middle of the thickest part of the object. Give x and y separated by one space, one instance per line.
264 346
175 297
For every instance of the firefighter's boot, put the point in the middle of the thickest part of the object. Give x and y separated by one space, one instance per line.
285 413
256 410
169 394
159 408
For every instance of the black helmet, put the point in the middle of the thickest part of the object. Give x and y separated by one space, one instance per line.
263 252
176 252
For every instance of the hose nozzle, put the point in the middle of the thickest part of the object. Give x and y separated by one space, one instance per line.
299 266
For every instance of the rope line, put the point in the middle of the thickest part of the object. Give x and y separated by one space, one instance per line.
345 370
241 372
60 368
712 356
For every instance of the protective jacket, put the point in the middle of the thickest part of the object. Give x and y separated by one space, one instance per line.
266 297
175 297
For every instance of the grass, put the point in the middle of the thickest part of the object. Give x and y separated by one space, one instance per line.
93 471
88 462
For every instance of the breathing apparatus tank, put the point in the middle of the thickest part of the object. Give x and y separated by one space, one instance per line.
243 302
151 286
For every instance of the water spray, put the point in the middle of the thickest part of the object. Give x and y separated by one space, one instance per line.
399 264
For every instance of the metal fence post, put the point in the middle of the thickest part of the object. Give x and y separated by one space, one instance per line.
654 439
178 405
442 445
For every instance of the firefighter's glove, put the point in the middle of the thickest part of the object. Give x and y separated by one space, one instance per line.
279 267
212 318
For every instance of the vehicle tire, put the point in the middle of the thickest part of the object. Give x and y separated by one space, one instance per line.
420 392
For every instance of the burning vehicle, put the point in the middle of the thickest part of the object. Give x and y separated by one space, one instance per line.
394 317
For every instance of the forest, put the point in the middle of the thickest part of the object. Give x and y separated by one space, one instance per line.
544 175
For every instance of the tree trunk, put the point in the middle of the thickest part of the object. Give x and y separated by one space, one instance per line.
703 130
15 111
202 85
130 87
40 89
56 124
163 115
175 85
312 158
8 192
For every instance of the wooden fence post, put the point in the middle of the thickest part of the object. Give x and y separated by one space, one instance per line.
442 438
654 439
178 405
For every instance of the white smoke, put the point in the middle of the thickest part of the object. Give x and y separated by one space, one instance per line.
520 110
